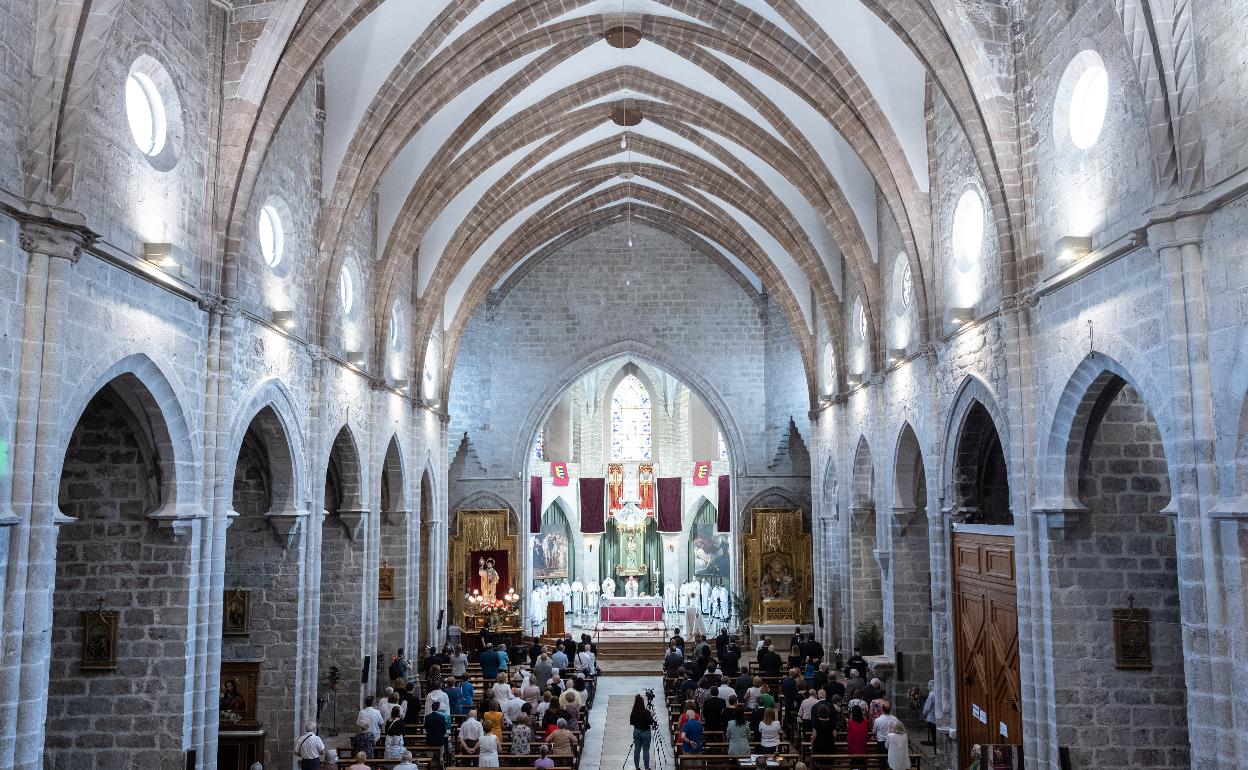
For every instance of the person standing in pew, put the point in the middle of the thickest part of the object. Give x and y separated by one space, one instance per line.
394 734
730 661
309 748
489 663
469 733
412 714
544 762
562 741
543 669
459 663
406 763
737 732
823 727
435 735
713 712
437 699
560 659
487 748
521 735
360 763
691 734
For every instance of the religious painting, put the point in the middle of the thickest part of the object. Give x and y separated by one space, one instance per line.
645 487
99 641
550 556
236 703
710 549
385 581
777 577
236 612
1132 648
615 488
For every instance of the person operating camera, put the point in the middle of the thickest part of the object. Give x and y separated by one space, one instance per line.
642 724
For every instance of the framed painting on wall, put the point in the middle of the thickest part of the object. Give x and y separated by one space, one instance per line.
236 610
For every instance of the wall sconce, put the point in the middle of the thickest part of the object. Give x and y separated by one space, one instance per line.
400 385
960 316
825 399
159 254
1073 247
284 318
854 380
896 354
355 357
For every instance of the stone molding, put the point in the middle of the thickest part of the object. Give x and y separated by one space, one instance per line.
883 558
906 516
353 519
56 238
399 516
1062 520
287 524
177 524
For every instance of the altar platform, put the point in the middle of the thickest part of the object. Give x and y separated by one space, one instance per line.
631 609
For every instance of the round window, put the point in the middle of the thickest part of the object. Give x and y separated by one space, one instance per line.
272 236
346 287
860 318
967 235
145 109
829 368
907 285
1082 100
396 325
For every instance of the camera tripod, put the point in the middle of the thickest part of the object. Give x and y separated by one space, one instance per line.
658 749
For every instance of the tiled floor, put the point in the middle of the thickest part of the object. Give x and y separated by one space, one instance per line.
610 735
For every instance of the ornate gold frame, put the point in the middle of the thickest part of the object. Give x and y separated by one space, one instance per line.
478 530
778 531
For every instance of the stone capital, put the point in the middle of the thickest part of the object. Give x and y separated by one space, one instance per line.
906 516
57 235
353 519
286 524
399 516
1062 520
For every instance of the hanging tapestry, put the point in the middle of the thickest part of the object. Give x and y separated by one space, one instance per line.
669 504
593 518
645 487
535 503
701 473
724 523
559 474
615 487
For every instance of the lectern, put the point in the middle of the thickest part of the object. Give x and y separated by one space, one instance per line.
554 619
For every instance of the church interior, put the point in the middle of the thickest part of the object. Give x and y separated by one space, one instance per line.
342 336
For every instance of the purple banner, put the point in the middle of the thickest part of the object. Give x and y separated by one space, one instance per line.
535 504
724 521
669 504
593 505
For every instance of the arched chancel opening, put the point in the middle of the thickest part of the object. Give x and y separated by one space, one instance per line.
865 580
911 574
262 571
1119 555
118 577
981 480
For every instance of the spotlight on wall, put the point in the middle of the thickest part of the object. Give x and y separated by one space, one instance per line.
960 316
284 318
896 354
355 357
400 385
825 399
159 254
854 380
1073 247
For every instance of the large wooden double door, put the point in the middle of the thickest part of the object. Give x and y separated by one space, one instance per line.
985 616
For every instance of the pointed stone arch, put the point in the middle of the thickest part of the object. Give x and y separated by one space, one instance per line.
910 575
395 554
977 469
865 566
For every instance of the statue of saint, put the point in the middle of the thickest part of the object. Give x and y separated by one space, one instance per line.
632 559
778 582
489 578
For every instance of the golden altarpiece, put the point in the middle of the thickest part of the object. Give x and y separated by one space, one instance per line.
776 565
481 537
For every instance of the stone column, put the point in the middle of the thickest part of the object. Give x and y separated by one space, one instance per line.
54 244
1177 243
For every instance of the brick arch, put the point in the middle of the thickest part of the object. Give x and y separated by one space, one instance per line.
862 487
1095 381
270 409
157 413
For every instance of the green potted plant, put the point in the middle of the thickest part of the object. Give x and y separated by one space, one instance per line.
741 606
333 681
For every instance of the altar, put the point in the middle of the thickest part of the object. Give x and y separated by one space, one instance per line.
631 609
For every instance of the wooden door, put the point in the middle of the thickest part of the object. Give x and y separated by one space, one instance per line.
554 619
985 618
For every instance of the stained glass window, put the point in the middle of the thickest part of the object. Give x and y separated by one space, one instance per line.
630 421
539 444
723 448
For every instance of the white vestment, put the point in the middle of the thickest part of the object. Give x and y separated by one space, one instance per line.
591 595
693 621
669 596
578 597
565 596
684 596
608 588
704 596
630 586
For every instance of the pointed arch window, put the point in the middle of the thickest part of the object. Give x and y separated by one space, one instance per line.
630 421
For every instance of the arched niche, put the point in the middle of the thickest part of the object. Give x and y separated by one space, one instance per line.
394 594
911 573
866 584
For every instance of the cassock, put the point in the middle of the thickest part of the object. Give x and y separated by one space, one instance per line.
669 596
704 596
578 597
608 588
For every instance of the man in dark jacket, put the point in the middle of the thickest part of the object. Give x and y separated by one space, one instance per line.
730 661
713 712
435 734
769 661
535 649
789 687
673 660
489 663
721 643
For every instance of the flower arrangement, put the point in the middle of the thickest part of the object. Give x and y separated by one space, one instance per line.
493 611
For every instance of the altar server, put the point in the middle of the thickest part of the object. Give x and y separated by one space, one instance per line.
669 596
578 597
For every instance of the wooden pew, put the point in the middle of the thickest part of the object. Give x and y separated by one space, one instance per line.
856 761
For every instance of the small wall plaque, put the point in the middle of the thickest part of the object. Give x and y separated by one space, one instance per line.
385 582
236 620
1132 648
99 641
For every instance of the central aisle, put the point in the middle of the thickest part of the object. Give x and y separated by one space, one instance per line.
610 734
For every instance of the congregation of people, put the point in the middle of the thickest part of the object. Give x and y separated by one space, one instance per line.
525 706
798 707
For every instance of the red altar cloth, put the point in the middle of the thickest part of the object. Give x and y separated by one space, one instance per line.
626 614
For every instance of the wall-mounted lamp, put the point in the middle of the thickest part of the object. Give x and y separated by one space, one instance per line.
1073 247
400 385
854 380
896 354
960 316
284 318
825 399
355 357
159 254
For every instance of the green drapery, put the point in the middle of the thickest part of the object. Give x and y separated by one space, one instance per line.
556 520
609 552
705 517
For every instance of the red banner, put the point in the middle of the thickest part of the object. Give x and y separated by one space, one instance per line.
615 488
702 473
559 474
645 487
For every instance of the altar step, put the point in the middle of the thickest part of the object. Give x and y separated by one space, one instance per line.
648 650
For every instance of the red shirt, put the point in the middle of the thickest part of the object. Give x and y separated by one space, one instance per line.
856 736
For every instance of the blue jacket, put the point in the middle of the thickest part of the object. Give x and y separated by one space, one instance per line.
489 664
